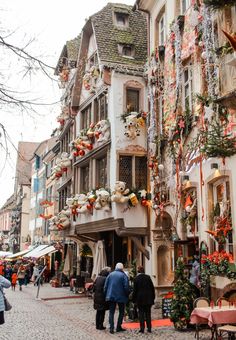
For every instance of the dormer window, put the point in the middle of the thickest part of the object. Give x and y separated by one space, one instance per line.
93 60
122 19
126 50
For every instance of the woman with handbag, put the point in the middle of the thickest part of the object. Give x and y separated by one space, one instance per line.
4 283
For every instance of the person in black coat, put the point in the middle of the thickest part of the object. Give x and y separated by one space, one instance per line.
144 296
99 302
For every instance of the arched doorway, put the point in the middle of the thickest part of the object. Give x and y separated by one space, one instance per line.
86 265
165 265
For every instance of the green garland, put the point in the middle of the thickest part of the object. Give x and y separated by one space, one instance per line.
217 143
219 4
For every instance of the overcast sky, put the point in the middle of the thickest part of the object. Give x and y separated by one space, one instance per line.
50 24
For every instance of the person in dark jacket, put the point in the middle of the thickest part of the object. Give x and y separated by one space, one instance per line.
144 296
100 304
117 291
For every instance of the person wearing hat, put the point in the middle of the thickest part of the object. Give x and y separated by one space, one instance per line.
116 289
144 296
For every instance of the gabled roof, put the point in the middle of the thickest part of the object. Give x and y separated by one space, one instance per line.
69 53
108 35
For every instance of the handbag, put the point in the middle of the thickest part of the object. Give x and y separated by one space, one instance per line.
7 304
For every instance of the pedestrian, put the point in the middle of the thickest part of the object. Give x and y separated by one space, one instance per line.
116 289
21 275
100 303
14 278
36 274
4 283
1 269
8 272
144 296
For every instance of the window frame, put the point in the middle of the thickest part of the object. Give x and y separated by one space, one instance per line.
187 4
97 108
97 175
138 90
126 19
82 187
85 123
162 30
227 197
133 170
187 84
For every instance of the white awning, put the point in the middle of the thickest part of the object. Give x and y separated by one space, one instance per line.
5 253
45 251
20 253
33 253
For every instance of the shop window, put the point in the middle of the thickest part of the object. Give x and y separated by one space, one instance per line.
100 108
86 118
132 100
101 172
133 171
84 179
122 19
187 88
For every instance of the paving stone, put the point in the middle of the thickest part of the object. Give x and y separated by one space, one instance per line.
67 319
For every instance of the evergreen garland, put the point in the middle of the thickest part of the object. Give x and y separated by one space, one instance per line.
219 4
184 295
217 143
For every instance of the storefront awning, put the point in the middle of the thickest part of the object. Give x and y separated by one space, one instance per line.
5 254
45 251
33 253
19 254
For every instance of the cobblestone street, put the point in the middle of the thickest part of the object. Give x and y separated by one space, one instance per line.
68 319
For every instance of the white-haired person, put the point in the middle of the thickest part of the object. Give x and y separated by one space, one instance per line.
99 302
116 289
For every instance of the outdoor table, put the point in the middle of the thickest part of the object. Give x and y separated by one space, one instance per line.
213 317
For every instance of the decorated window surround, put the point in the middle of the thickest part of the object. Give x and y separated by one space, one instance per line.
133 85
213 182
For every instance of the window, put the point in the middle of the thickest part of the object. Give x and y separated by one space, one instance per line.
185 5
63 195
187 88
84 179
133 171
93 60
101 173
100 108
37 162
126 50
122 19
222 206
49 194
86 118
132 100
66 141
161 31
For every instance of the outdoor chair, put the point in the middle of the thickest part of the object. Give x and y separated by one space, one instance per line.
224 301
229 330
198 303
